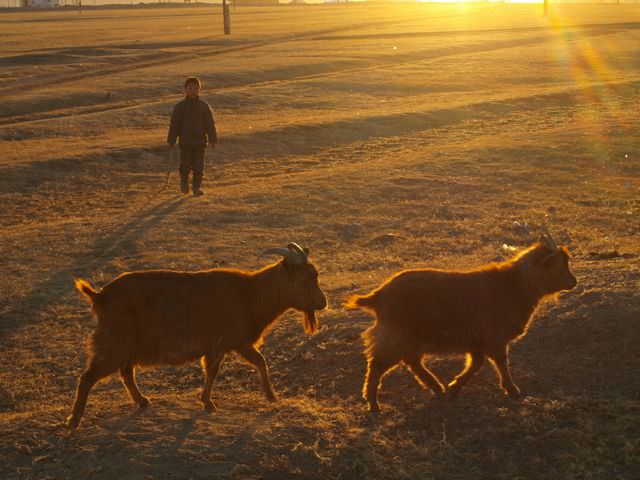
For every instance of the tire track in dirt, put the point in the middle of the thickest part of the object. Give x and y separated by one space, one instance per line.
155 60
362 128
151 61
166 57
380 65
365 129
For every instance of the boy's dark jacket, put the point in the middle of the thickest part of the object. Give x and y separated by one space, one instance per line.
192 121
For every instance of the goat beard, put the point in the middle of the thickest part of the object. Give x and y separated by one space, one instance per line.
310 321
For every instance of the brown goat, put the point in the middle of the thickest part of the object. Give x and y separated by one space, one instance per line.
475 312
166 317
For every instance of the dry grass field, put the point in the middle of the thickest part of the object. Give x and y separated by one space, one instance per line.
382 138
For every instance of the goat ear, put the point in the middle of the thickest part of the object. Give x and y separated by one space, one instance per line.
546 259
542 256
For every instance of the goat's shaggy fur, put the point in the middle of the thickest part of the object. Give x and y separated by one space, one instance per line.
475 312
168 317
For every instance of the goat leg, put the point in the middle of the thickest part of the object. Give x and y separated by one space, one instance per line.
211 365
376 368
128 378
88 379
500 362
423 375
255 358
473 363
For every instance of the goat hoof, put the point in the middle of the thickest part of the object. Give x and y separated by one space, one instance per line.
72 423
451 393
209 406
440 396
143 403
514 394
374 409
371 418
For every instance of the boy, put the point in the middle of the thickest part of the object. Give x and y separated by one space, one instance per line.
192 122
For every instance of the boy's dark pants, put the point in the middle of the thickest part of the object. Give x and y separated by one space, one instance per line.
191 158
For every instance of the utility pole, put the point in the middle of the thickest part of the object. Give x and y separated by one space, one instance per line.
227 18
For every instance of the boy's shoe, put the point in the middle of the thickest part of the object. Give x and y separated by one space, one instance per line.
197 181
184 185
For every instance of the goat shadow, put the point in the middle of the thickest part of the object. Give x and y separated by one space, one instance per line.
228 444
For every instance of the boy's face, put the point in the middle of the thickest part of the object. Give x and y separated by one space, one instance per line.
192 89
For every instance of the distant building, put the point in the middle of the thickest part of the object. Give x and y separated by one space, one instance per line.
40 3
255 2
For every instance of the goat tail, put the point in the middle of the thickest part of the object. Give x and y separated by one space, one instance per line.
87 290
362 301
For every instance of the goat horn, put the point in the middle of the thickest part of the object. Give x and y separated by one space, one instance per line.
291 255
278 251
298 250
548 240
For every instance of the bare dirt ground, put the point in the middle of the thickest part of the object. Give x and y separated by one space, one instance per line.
381 137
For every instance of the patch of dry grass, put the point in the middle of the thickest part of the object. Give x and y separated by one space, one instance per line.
381 137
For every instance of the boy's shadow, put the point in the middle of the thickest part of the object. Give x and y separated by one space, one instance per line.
104 249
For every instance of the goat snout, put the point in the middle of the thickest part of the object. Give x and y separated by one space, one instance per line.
320 302
571 282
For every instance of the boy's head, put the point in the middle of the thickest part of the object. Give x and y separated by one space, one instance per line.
192 86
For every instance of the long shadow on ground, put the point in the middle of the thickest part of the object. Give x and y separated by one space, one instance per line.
106 247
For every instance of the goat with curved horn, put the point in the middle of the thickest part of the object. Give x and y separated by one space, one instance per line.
172 317
413 307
